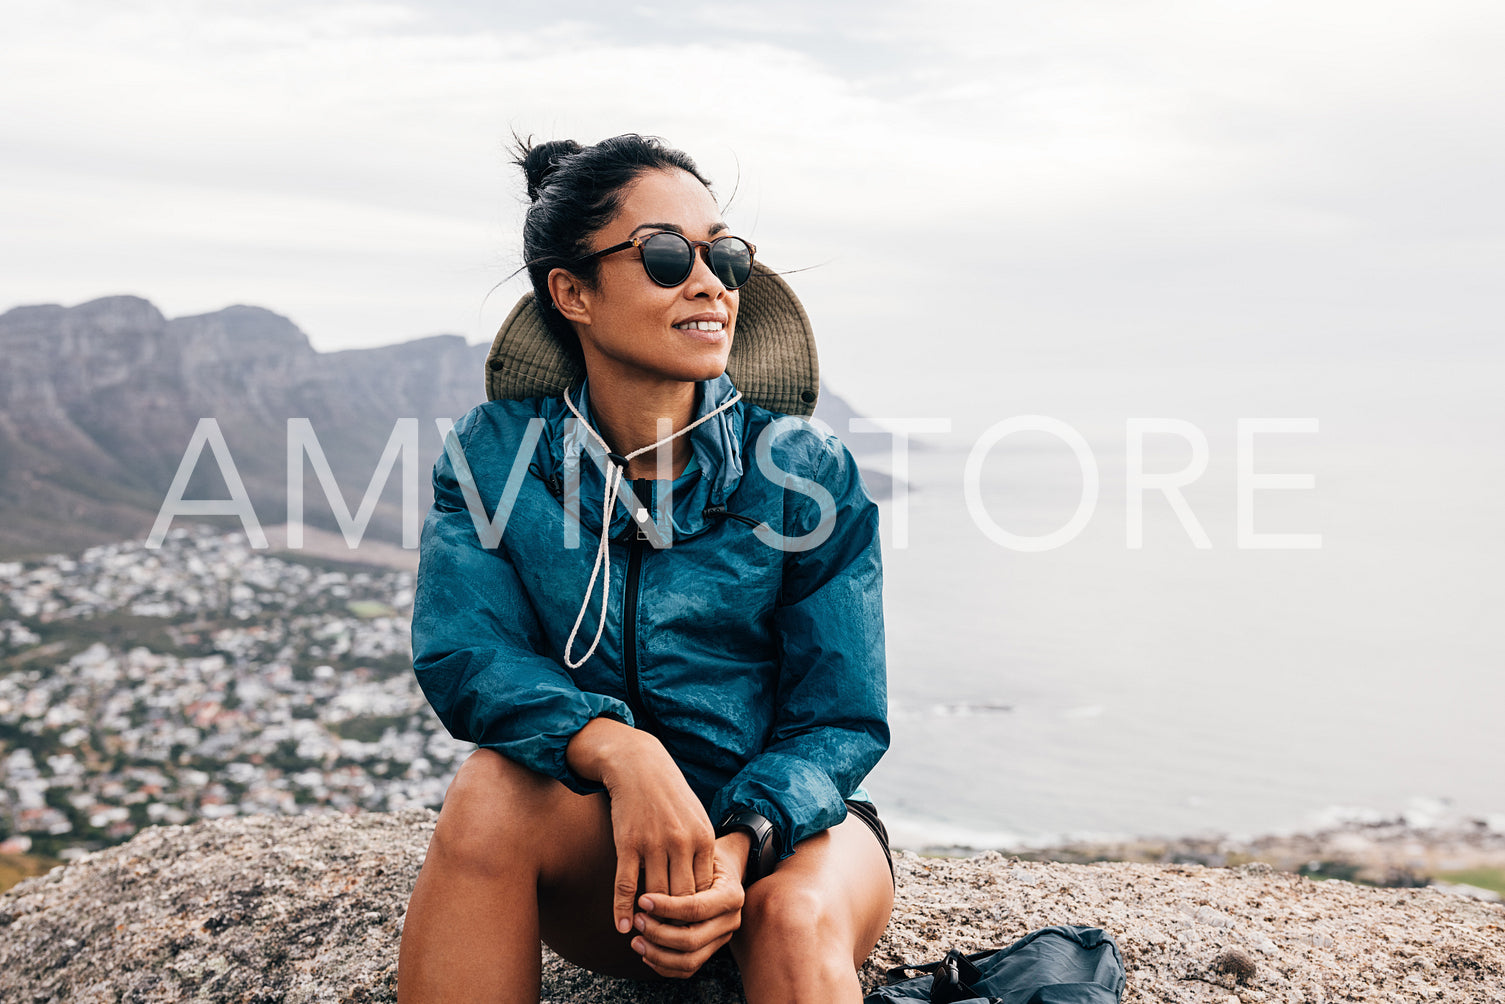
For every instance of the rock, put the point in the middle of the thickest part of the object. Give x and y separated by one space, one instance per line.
1236 964
309 908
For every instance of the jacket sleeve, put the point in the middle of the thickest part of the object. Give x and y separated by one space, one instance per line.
479 652
831 725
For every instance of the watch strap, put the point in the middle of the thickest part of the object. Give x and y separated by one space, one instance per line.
763 853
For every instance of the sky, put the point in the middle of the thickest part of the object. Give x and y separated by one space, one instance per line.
1091 210
1016 187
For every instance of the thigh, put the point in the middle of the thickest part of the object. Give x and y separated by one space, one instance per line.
575 904
500 808
842 876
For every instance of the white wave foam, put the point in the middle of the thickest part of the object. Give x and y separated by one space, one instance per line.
966 709
917 834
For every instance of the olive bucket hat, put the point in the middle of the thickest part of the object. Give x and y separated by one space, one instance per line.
772 361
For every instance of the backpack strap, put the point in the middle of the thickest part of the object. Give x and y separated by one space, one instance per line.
955 978
896 973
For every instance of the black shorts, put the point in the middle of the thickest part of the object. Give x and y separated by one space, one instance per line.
868 813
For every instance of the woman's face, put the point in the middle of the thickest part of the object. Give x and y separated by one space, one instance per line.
633 329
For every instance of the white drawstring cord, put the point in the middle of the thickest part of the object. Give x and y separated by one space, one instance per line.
608 506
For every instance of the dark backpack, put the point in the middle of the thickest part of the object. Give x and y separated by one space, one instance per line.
1054 965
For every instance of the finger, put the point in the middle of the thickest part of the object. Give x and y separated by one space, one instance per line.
671 971
677 965
686 938
721 897
705 870
682 877
665 962
656 872
625 889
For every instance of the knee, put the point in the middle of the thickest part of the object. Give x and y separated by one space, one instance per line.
485 821
791 946
790 915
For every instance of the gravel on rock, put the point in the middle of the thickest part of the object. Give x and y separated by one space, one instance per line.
309 908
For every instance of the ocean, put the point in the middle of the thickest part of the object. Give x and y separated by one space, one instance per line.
1094 690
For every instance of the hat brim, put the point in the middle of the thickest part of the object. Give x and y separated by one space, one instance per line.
772 361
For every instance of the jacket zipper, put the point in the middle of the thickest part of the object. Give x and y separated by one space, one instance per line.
636 542
636 539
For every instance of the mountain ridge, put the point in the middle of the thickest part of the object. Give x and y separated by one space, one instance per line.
99 401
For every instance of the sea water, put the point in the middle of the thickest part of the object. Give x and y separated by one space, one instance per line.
1098 690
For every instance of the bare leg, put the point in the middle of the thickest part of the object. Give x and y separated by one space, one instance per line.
808 927
516 858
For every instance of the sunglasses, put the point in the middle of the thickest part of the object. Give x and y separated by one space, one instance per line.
669 258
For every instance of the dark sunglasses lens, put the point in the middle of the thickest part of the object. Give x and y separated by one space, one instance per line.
666 257
731 260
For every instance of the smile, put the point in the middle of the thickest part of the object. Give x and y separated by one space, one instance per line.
701 326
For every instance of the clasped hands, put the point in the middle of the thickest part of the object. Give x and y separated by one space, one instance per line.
691 899
677 934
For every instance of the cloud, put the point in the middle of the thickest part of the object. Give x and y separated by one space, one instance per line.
1164 180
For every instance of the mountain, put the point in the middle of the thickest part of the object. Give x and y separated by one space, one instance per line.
98 404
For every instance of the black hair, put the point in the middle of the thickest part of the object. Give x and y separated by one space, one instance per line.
575 192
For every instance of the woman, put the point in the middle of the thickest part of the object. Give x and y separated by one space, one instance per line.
667 773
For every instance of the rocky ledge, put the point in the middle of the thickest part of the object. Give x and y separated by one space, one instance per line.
260 909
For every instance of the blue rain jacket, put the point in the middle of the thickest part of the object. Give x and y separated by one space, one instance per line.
758 663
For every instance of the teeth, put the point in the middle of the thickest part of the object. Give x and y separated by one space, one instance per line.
700 326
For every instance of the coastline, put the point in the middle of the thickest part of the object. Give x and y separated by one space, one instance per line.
1460 855
1466 856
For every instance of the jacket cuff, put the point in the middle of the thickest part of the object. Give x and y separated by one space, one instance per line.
796 811
610 708
546 754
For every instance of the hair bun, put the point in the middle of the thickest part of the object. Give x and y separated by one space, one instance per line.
538 162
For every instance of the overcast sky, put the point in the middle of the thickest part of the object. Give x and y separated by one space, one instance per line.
1095 210
1005 186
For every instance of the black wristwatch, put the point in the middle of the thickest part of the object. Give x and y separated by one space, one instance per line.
764 853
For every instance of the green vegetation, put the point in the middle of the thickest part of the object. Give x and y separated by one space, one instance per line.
42 742
286 759
368 730
1345 871
119 631
50 846
1349 871
322 564
367 609
382 668
1485 878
